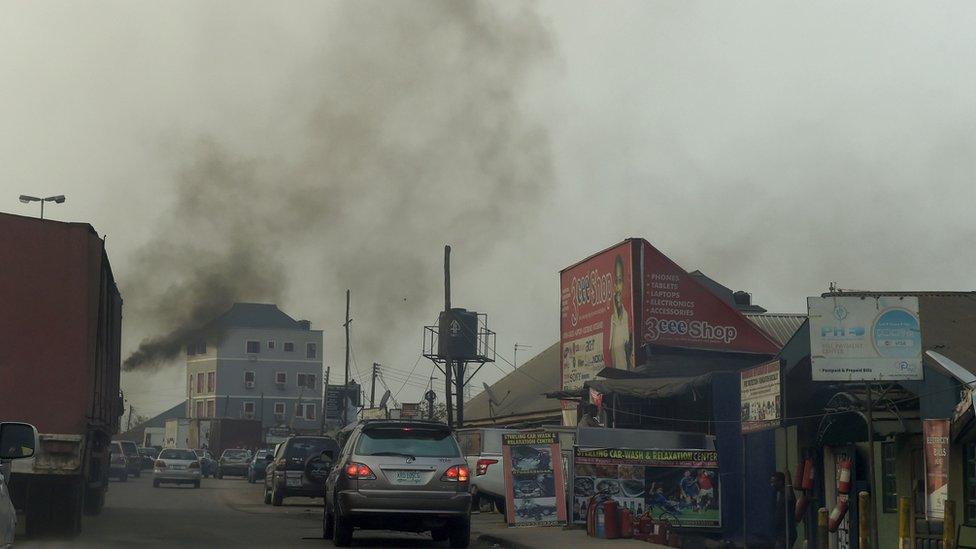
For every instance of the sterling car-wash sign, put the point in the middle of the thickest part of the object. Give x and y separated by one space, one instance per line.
855 338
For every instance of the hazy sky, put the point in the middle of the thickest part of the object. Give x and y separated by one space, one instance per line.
776 146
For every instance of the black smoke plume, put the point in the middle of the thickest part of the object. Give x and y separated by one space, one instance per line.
415 137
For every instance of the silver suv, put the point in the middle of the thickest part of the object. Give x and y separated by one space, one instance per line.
408 474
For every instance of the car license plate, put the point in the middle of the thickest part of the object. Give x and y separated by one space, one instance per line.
178 467
407 477
294 482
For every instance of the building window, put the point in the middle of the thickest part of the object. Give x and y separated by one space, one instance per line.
889 479
202 348
191 350
200 382
279 410
211 408
249 380
289 346
306 411
211 381
271 344
306 381
252 347
969 474
310 350
199 409
248 409
281 378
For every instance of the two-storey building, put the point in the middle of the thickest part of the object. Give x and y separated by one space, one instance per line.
257 362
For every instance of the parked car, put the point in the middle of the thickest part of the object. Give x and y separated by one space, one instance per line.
258 465
207 462
482 448
408 474
234 461
177 466
118 465
17 441
132 458
287 475
148 456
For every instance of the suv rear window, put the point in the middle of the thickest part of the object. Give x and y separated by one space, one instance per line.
305 447
176 453
407 440
129 448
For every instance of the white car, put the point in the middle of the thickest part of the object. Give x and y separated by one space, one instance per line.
482 448
177 466
17 440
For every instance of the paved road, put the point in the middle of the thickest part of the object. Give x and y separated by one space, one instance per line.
228 512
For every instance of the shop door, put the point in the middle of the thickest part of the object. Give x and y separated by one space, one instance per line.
928 534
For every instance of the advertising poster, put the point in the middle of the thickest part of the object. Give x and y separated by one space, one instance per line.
865 338
680 486
760 397
534 489
936 432
679 311
597 315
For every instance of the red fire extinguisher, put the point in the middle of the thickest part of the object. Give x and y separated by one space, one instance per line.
626 523
611 519
591 517
801 507
837 513
807 482
844 477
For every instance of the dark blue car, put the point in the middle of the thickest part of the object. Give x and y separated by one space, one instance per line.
259 463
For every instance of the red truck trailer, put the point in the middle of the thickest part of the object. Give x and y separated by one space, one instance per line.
61 320
234 433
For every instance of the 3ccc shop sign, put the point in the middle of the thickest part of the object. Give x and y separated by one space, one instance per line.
690 329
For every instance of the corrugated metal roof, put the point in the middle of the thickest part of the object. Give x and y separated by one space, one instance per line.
779 326
255 315
523 390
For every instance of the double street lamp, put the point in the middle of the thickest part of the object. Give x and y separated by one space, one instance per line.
56 199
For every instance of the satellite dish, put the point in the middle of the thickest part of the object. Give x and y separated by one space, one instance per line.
491 395
386 397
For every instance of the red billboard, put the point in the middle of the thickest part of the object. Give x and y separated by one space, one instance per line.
597 315
678 311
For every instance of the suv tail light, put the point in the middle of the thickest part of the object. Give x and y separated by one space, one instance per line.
194 465
483 466
458 473
360 471
160 464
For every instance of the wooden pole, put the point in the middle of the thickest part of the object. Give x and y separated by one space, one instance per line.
345 387
863 520
949 525
904 522
448 363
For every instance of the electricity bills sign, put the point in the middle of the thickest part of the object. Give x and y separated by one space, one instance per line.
855 338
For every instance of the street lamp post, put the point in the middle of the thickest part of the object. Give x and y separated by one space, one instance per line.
56 199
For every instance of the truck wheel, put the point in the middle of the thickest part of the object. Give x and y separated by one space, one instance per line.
66 509
94 500
461 533
439 534
328 524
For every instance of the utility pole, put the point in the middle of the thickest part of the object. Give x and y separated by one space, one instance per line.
128 424
325 399
372 385
448 363
345 387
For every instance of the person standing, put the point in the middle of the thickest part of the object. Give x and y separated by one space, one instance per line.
621 345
